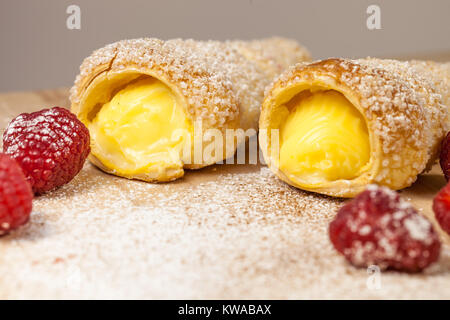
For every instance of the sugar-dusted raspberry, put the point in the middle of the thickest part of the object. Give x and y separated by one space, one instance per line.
380 228
15 195
441 208
444 157
51 146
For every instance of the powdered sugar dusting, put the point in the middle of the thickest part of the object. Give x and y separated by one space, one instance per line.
166 237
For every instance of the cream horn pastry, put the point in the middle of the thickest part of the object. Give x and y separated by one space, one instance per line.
150 105
337 125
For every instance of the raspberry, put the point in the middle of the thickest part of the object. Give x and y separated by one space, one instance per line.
379 228
15 195
444 157
441 208
51 146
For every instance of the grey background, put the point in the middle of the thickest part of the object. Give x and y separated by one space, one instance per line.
38 51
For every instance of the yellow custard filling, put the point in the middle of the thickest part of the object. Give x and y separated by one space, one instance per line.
323 138
138 130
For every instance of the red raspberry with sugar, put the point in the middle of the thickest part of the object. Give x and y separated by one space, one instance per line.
380 228
444 157
50 145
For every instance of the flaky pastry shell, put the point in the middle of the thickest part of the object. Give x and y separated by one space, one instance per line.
220 84
404 105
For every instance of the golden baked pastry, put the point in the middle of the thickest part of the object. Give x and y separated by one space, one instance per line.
342 124
147 103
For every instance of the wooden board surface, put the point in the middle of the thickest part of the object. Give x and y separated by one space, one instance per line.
230 231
